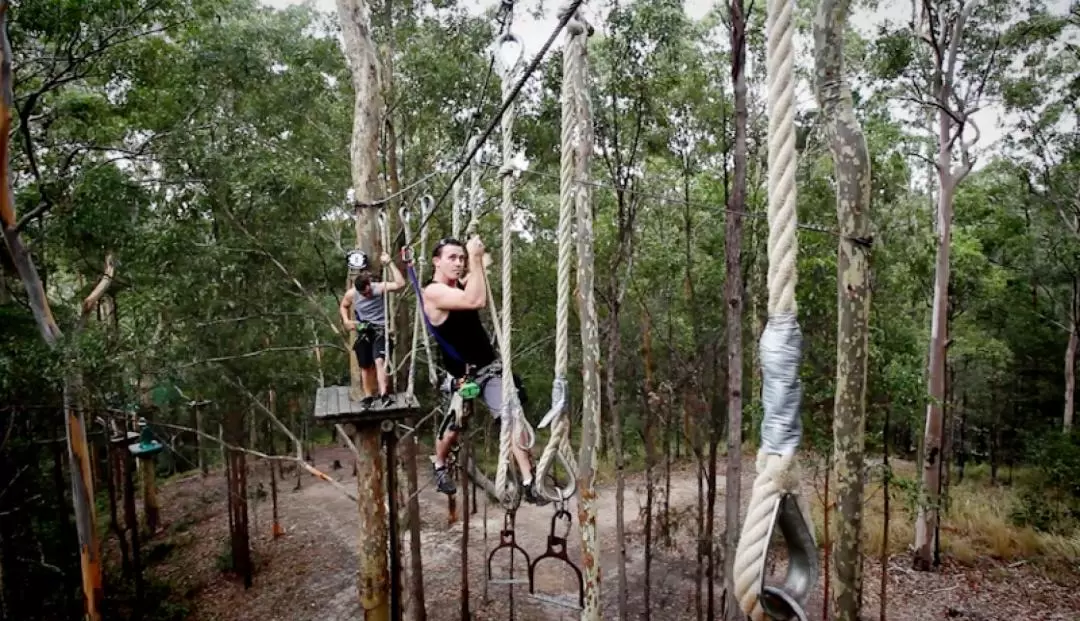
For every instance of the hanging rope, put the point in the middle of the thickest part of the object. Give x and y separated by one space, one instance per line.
455 217
559 441
781 341
511 415
388 302
474 189
427 203
418 332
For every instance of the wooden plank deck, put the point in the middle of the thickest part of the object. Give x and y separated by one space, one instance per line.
332 404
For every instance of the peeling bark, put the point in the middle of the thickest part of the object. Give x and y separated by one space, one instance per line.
590 337
851 163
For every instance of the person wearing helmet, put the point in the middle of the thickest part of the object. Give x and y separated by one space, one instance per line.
362 310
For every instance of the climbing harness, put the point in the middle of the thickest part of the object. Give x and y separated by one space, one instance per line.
774 500
556 549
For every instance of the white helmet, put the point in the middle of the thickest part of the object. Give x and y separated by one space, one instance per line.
358 260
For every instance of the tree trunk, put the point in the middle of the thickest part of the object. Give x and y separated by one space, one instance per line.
114 481
238 508
613 335
82 497
851 163
733 295
590 338
926 520
275 525
418 607
884 558
1070 375
650 457
363 61
927 516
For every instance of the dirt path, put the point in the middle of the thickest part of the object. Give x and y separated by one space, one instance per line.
310 573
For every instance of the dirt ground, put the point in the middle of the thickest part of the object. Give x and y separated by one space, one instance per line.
309 574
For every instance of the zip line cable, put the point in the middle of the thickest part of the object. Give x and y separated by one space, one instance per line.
817 228
567 13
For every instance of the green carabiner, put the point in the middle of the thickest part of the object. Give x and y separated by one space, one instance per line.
469 390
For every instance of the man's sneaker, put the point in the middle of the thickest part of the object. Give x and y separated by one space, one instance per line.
367 401
386 401
443 482
528 492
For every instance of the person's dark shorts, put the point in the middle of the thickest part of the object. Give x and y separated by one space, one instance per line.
370 344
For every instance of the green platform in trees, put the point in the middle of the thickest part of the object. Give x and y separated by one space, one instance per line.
332 404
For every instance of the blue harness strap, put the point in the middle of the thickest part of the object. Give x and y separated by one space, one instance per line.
447 347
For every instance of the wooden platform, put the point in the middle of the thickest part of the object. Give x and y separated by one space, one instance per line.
332 404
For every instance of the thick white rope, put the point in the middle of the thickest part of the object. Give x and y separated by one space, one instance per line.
410 382
388 303
474 189
511 415
419 329
455 219
427 204
559 441
780 343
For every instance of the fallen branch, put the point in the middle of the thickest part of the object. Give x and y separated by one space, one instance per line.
299 459
259 352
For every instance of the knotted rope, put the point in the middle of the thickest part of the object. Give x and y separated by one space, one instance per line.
559 441
781 341
512 420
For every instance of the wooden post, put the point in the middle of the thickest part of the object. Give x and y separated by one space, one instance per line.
132 521
463 440
151 508
373 575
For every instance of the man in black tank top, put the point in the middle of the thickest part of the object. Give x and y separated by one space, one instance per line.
454 313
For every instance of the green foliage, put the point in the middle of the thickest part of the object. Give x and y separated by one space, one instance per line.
1050 501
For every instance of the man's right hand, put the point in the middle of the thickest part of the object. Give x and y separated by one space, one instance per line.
350 324
475 247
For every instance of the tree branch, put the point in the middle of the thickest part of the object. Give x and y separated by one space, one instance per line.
315 472
259 352
91 301
299 459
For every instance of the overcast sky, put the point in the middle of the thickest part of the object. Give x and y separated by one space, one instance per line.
533 32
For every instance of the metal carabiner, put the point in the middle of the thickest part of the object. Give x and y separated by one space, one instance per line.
506 540
556 548
785 603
